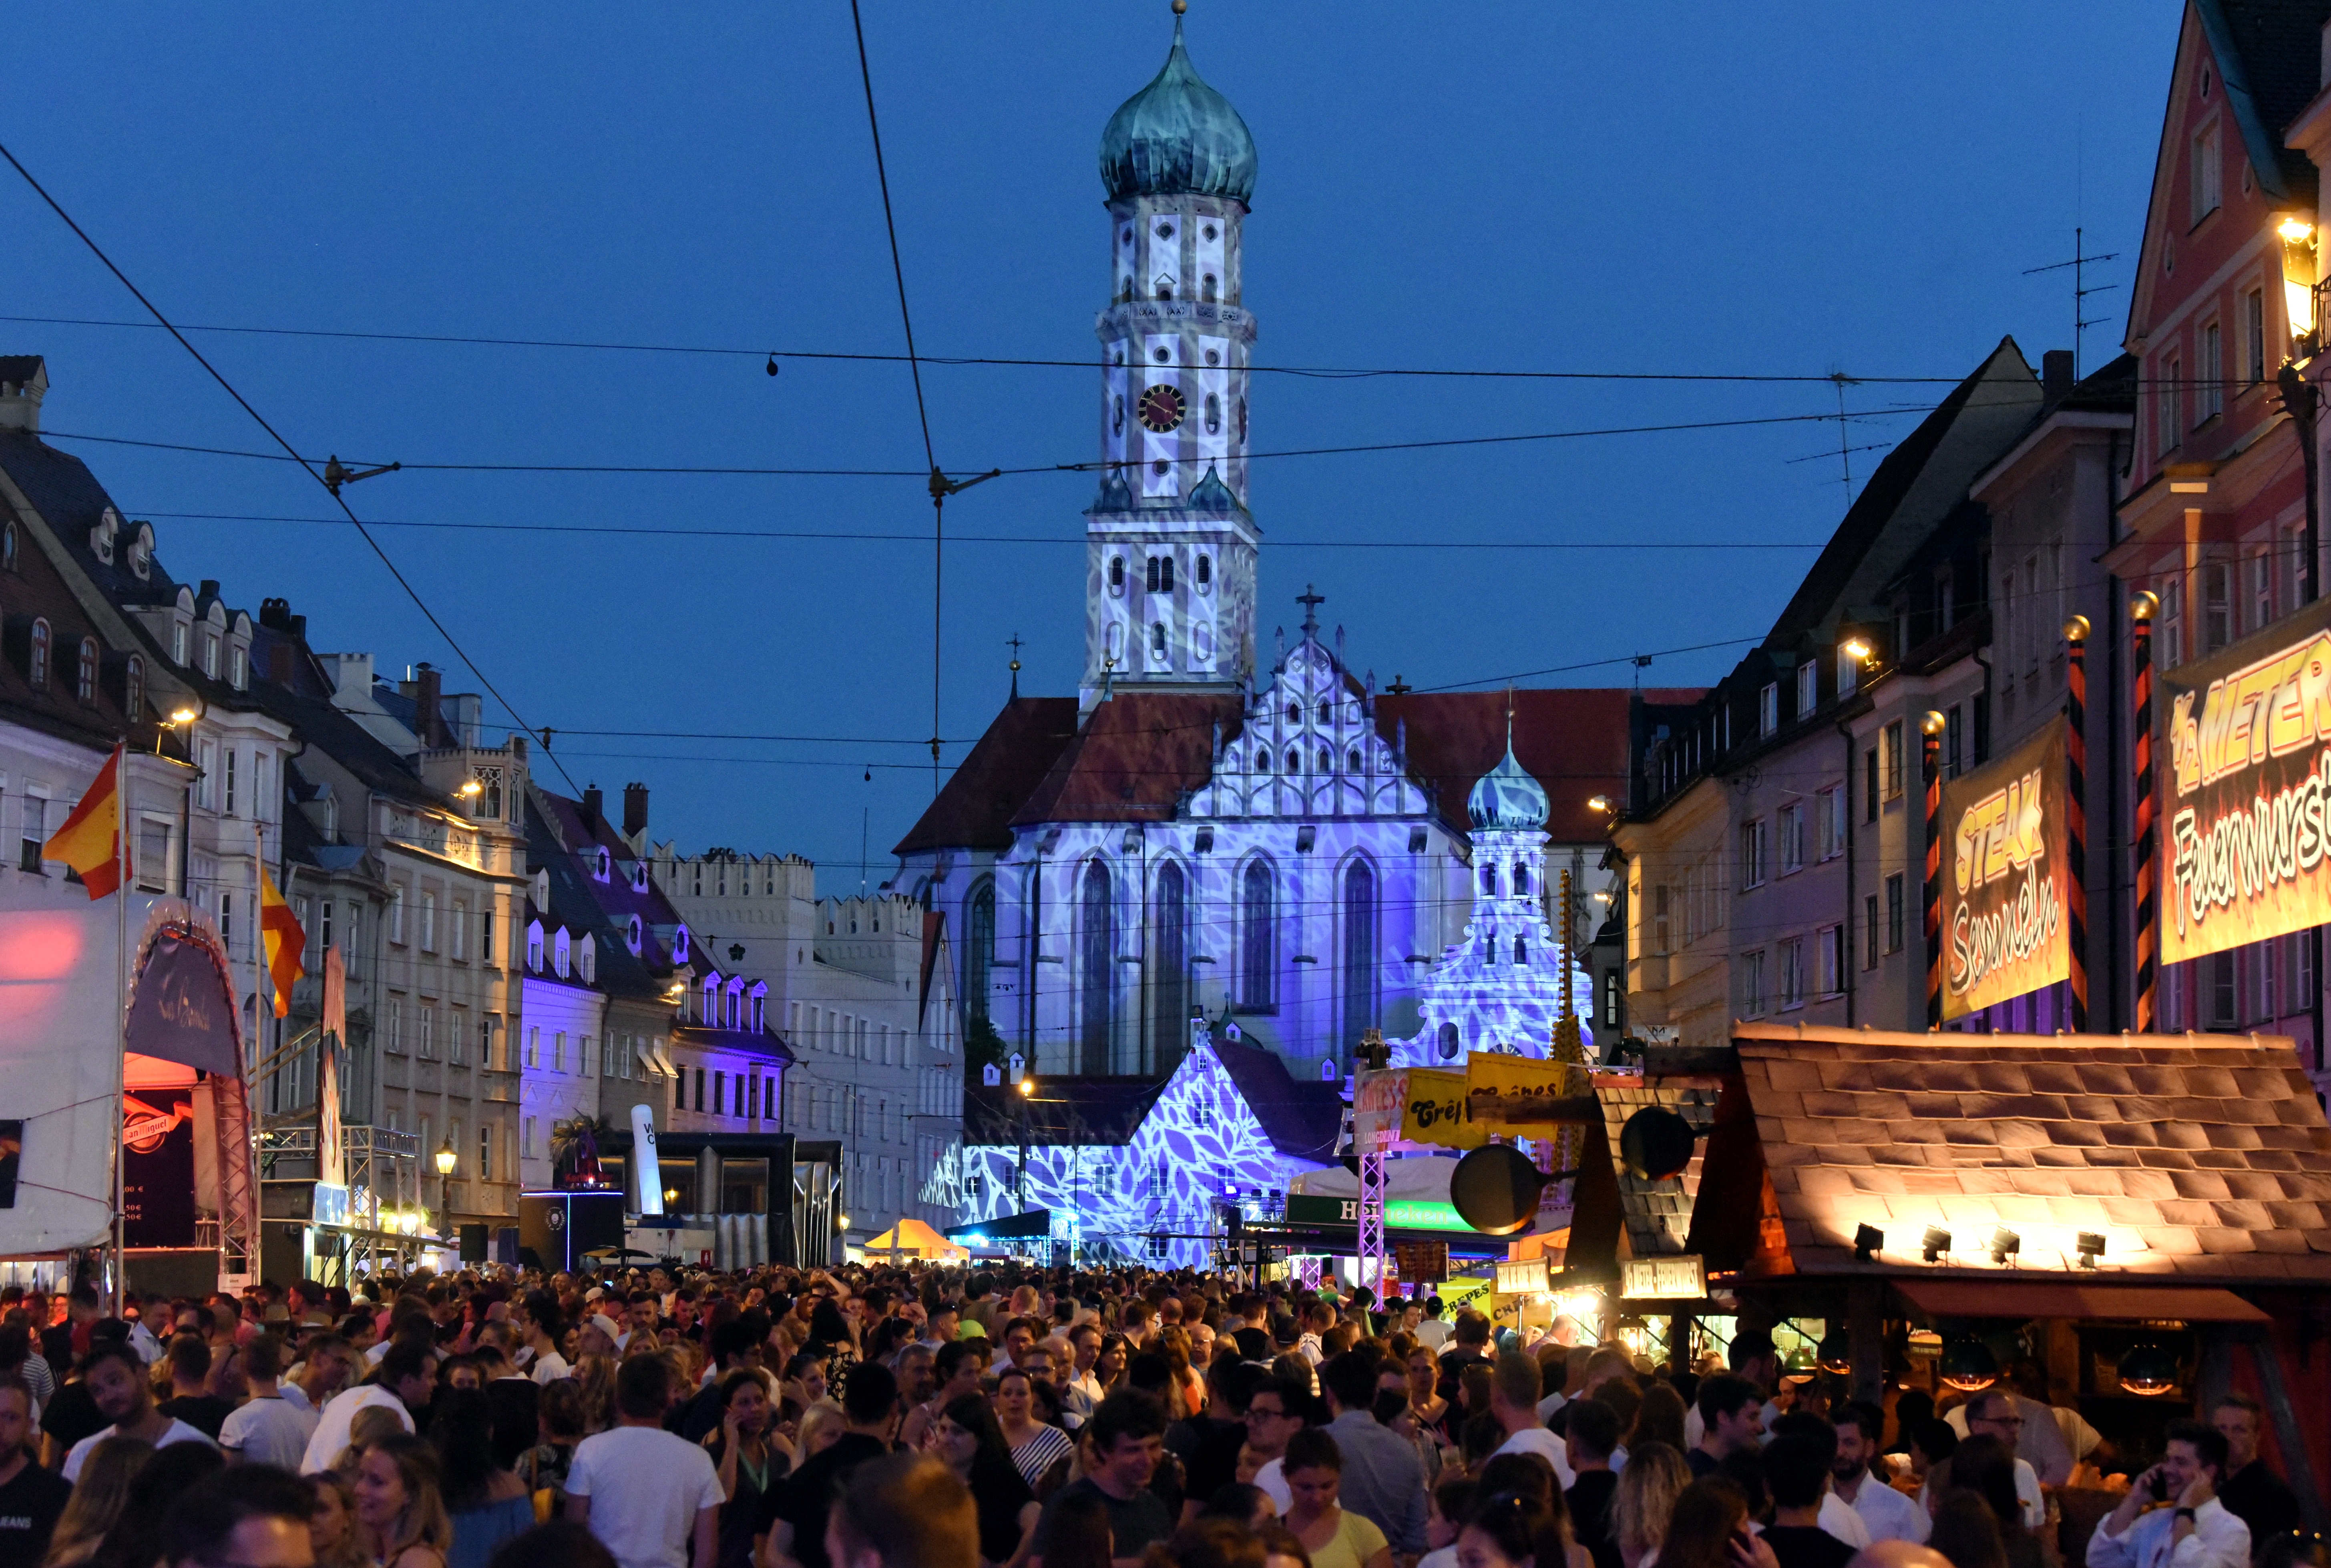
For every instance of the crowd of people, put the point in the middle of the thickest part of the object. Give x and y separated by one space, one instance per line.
921 1417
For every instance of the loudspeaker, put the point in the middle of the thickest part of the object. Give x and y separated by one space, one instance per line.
473 1243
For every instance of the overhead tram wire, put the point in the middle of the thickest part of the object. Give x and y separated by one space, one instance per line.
941 486
1314 371
330 488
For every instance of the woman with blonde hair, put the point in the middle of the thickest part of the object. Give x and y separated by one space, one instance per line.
1655 1476
98 1500
1189 1392
821 1426
332 1523
371 1424
595 1376
402 1516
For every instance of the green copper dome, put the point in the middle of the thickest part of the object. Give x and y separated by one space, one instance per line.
1177 136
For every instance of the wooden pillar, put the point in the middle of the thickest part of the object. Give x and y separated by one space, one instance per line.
1865 1321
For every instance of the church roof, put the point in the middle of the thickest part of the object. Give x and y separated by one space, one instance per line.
1177 136
1065 1110
1301 1117
1139 753
1572 741
973 810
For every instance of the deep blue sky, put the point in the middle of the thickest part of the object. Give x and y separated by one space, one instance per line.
1785 189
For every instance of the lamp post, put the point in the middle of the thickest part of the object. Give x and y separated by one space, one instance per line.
446 1160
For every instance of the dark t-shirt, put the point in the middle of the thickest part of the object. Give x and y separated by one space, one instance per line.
207 1413
1133 1523
1253 1344
1807 1546
1214 1463
2258 1498
808 1493
72 1415
1589 1498
29 1506
1701 1463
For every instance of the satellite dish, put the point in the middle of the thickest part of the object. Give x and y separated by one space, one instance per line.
1656 1143
1495 1190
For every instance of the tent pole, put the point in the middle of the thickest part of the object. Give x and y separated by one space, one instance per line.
121 1014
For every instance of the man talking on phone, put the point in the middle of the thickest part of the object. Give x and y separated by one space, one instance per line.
2195 1531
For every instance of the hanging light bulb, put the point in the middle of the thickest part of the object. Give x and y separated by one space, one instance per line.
2148 1369
1968 1365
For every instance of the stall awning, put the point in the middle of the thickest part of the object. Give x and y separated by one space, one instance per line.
2065 1298
1034 1223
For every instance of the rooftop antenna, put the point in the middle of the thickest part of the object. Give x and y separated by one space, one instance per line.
1844 461
2082 259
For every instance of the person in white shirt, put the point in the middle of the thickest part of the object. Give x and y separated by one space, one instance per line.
1998 1413
2036 1437
653 1500
267 1429
537 1318
1433 1334
1080 1392
2197 1531
1513 1401
1888 1514
1317 1319
327 1360
118 1387
406 1379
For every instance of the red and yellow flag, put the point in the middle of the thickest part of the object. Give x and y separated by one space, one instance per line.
287 944
91 840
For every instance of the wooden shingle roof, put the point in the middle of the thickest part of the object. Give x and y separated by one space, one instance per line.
2197 1157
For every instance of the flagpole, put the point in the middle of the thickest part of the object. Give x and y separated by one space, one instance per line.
121 1012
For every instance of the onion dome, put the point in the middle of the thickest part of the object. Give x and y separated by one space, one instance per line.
1506 797
1210 495
1177 136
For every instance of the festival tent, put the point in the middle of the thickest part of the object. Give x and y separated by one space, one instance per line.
913 1238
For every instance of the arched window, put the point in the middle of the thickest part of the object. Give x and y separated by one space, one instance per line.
1352 760
1169 968
1258 938
1326 760
1359 952
1097 959
979 949
1117 573
1521 877
1294 761
1205 572
1489 880
1449 1042
85 675
1262 759
134 689
1158 640
37 669
8 546
1521 950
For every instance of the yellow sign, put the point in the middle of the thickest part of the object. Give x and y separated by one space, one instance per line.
2246 801
1526 1278
1434 1111
2006 929
1500 1074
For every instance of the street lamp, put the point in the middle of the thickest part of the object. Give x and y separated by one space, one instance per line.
1598 802
446 1160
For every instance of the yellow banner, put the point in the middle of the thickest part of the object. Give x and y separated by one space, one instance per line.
1500 1074
2245 768
1434 1111
2006 926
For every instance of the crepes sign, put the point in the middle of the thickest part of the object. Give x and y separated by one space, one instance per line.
2247 790
2005 928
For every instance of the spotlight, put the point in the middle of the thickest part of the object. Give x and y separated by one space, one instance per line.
2005 1244
2091 1247
1936 1242
1867 1239
2148 1370
1968 1365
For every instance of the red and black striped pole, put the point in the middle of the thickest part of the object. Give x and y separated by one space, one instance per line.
2141 607
1930 752
2076 813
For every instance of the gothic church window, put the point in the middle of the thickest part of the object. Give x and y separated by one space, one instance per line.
979 950
1521 880
1294 761
1096 952
1170 961
1489 880
1521 950
1352 760
1359 952
1258 938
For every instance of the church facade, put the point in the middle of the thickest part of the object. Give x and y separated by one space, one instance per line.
1211 828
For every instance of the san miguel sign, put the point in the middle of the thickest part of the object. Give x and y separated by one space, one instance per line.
2005 929
2245 837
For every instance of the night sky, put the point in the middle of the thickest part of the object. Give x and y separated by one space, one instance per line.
1785 190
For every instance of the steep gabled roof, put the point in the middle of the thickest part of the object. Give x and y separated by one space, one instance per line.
974 808
1085 1112
1302 1118
2269 54
1138 756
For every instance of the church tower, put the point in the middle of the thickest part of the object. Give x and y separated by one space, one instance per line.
1170 545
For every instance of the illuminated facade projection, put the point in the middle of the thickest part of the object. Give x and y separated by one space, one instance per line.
1140 1168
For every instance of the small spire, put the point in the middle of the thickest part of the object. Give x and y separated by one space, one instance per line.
1310 599
1014 640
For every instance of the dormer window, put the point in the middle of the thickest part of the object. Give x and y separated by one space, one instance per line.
211 657
632 937
534 946
239 669
561 952
680 945
85 672
133 688
100 538
604 866
141 552
179 643
36 667
587 957
639 885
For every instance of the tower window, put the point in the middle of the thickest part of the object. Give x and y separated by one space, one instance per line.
1521 951
1117 573
1205 572
1165 231
1160 579
1158 639
1214 414
1294 761
1209 231
1158 354
1214 356
1489 880
1521 880
1125 237
1165 291
1206 286
1352 760
1294 713
1326 760
1160 467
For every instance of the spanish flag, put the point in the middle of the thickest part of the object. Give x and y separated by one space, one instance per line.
279 928
91 840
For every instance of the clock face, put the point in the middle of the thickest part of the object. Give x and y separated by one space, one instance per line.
1162 407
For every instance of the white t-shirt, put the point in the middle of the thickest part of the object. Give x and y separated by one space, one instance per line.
340 1413
269 1432
646 1487
550 1368
1272 1479
178 1432
1433 1334
1890 1515
1545 1445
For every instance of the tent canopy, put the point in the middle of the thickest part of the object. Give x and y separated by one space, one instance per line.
913 1236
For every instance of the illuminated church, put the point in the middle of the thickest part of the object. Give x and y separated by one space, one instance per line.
1225 822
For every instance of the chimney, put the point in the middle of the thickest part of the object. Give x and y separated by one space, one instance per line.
592 802
635 810
209 590
24 382
2056 376
425 725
